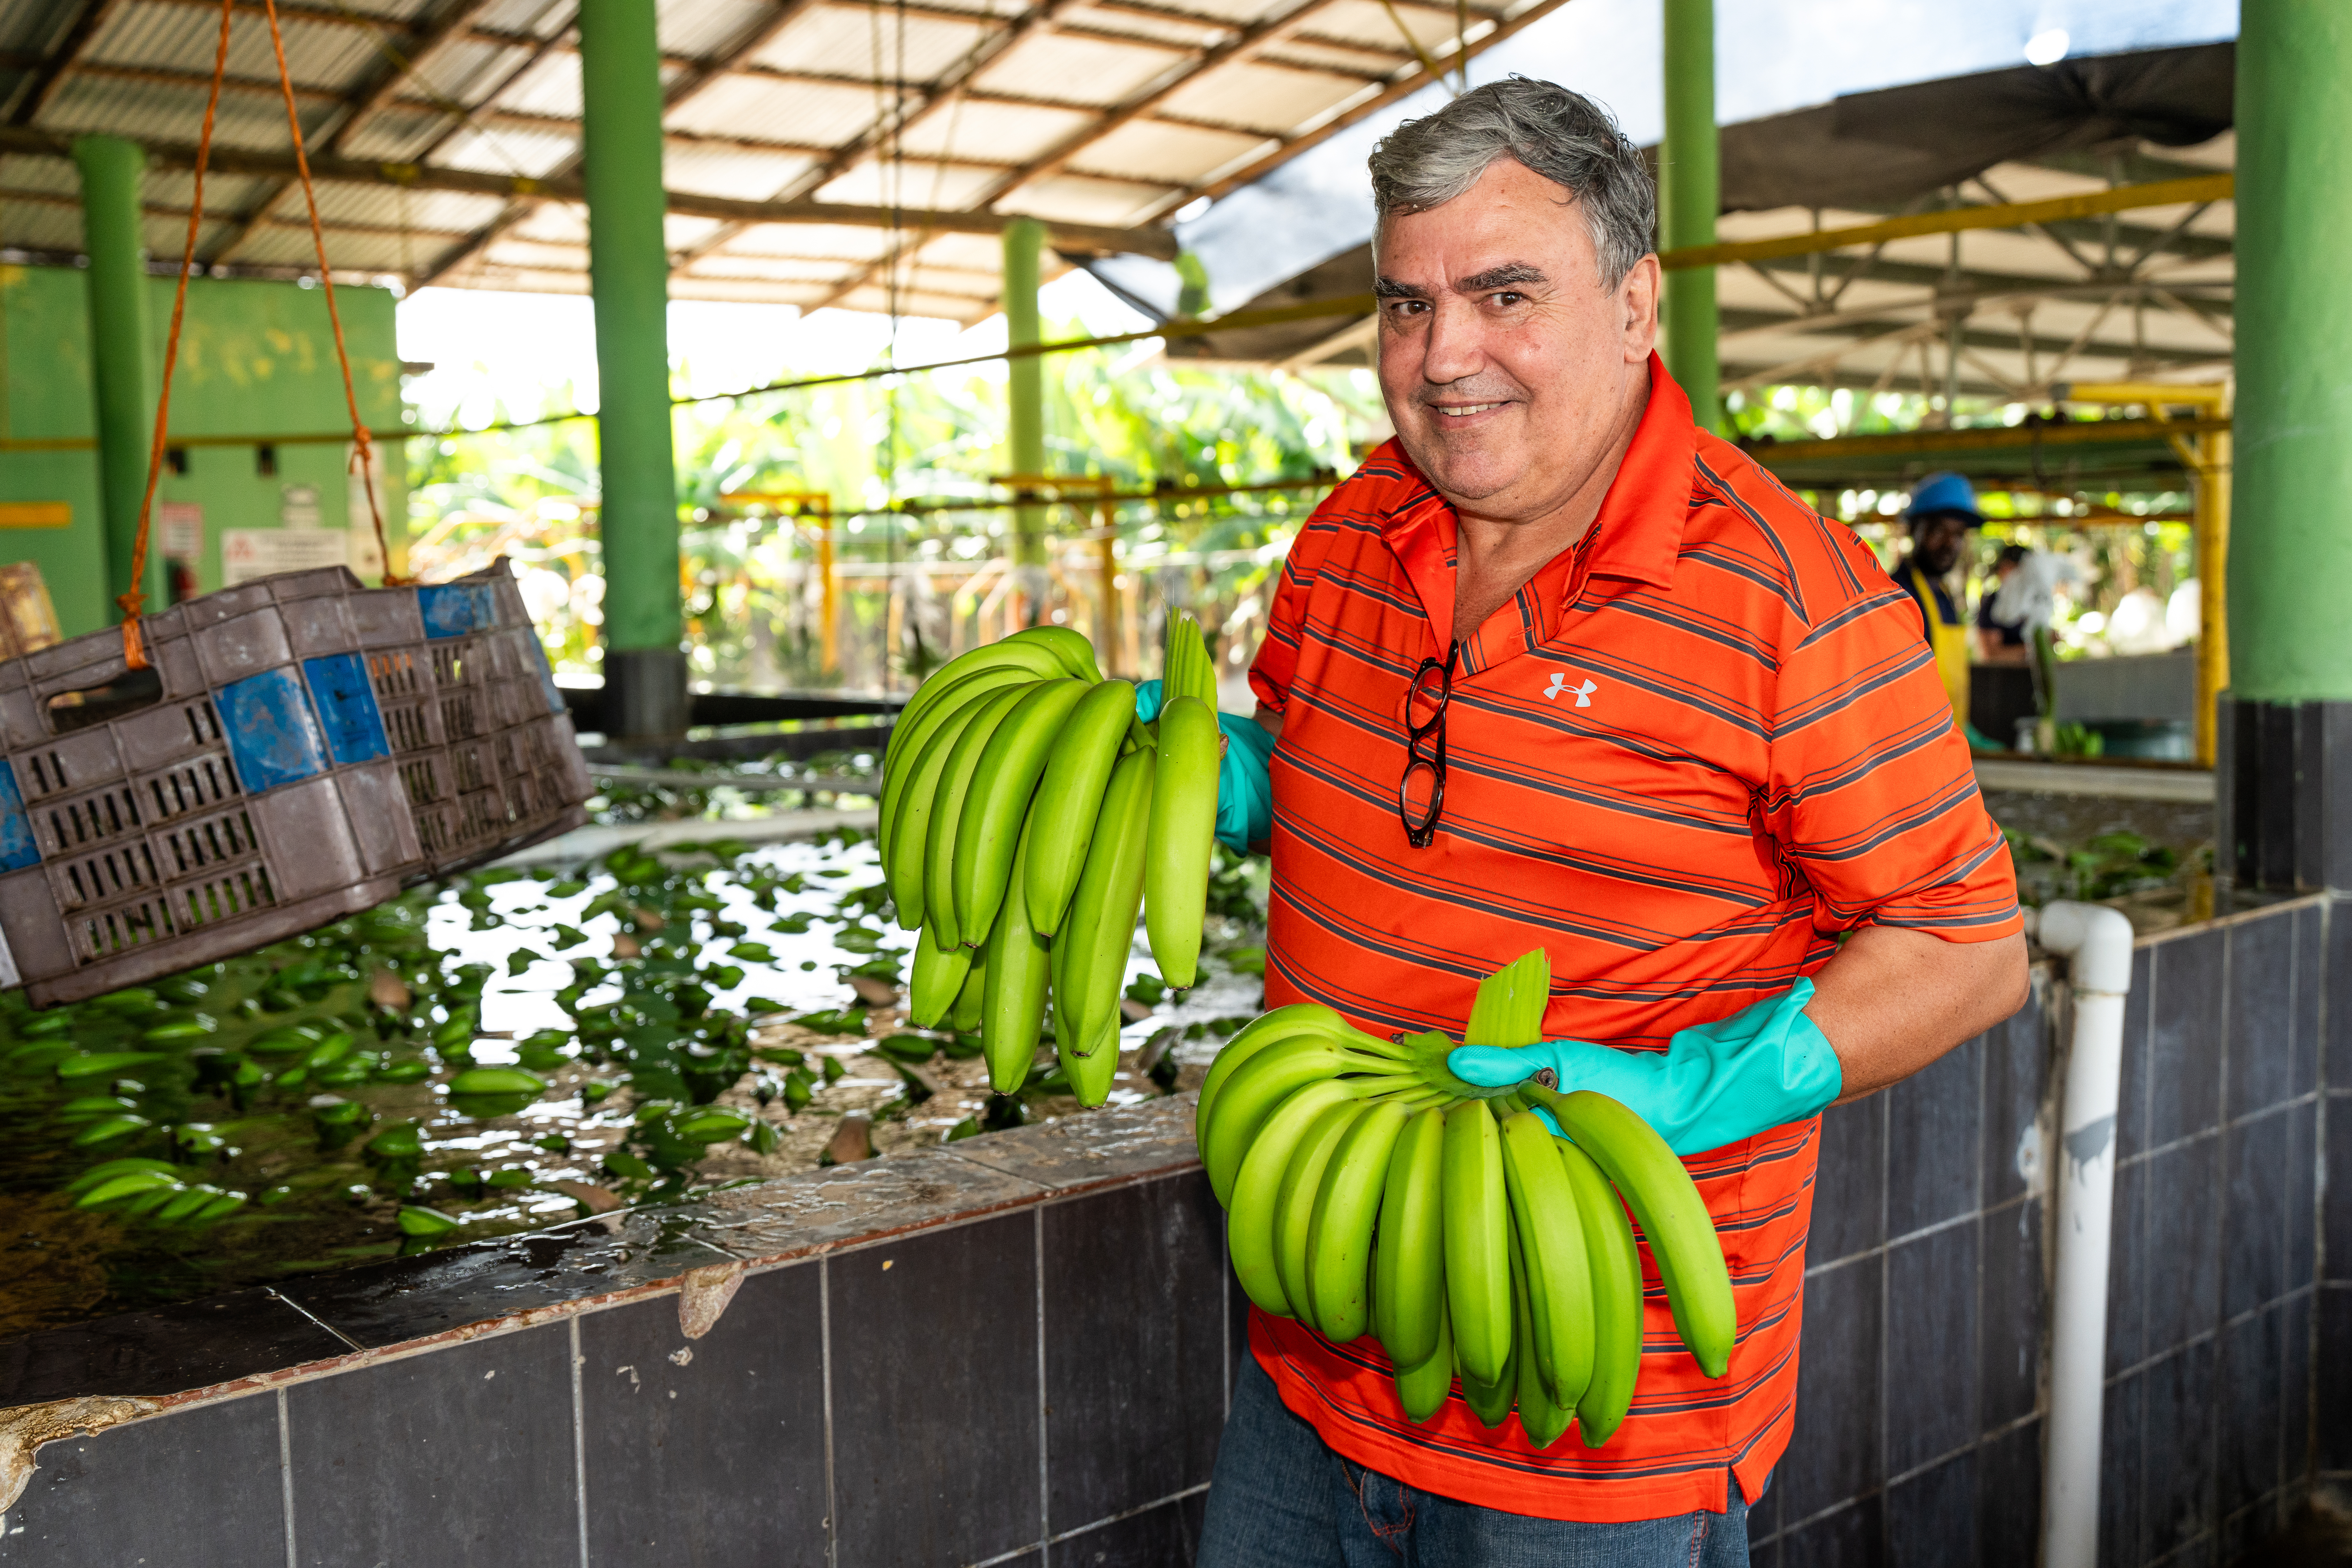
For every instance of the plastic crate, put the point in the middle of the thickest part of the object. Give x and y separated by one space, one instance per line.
301 748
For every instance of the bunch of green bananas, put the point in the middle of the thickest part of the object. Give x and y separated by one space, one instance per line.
1027 816
1368 1191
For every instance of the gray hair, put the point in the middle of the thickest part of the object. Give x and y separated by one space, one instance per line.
1564 136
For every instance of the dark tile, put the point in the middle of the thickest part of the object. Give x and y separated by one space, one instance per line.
1849 1181
2008 1496
2310 961
1135 1359
1935 1135
2127 1261
888 1196
2335 996
2241 1530
2253 1230
2177 1489
2302 1176
934 1341
2012 1314
1931 1518
2336 1223
460 1456
2261 1013
1114 1143
2295 1388
2332 1391
707 1452
169 1350
2184 1039
2122 1431
1931 1346
198 1487
2184 1250
414 1298
1834 1454
1850 1538
2131 1104
2016 1078
1162 1537
1764 1512
2251 1366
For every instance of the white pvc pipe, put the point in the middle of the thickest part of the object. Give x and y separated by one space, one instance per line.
2098 942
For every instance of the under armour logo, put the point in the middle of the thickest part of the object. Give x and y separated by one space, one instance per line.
1583 694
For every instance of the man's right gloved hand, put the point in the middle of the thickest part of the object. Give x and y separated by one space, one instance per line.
1245 778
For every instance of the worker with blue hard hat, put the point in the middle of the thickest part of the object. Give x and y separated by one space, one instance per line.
1942 509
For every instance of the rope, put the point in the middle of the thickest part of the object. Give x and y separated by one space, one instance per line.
134 650
362 444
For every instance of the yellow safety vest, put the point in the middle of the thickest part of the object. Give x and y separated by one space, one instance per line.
1947 639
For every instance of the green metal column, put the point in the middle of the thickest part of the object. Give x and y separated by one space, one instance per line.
1024 245
1688 196
120 350
628 263
2290 554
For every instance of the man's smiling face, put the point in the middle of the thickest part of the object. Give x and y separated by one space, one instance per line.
1505 357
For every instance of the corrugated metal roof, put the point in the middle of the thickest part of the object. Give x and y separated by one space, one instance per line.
865 41
1252 96
989 133
698 29
951 186
731 172
1166 154
799 113
1067 69
814 239
1081 198
550 85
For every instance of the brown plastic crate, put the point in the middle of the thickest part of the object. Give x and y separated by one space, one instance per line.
301 749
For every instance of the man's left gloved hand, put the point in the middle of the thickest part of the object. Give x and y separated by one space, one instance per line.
1716 1084
1245 782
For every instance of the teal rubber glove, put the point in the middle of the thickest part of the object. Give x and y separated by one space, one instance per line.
1763 1066
1244 779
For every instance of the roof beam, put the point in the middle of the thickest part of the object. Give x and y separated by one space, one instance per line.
79 34
401 65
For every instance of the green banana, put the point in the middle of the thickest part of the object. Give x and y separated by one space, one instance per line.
1187 670
902 856
997 803
1476 1243
1544 1418
965 1016
1070 795
1265 1030
1251 1095
934 979
1032 662
937 853
1182 832
1491 1401
1249 1224
949 688
1422 1386
1070 649
1295 1205
1339 1240
1672 1216
1090 958
1616 1298
1558 1282
1411 1279
1013 1007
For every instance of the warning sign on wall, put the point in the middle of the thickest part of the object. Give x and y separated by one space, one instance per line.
250 552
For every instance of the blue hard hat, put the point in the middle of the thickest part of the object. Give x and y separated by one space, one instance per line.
1944 492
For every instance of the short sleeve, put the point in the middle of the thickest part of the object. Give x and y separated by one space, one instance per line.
1871 794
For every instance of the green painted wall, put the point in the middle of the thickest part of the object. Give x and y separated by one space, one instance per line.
255 359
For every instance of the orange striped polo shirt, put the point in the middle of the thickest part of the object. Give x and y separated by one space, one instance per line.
1698 746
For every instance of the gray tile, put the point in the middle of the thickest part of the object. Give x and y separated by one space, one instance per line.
2185 1054
2332 1389
1834 1454
708 1452
2008 1496
2336 996
2254 1231
1931 1518
2337 1222
2295 1388
2177 1489
2260 989
1931 1346
2012 1315
1135 1356
193 1344
2127 1268
934 1341
2121 1473
2016 1078
2310 962
1162 1537
195 1489
1114 1143
2131 1107
2303 1177
1850 1538
1849 1181
2184 1244
460 1456
1935 1133
887 1196
2251 1364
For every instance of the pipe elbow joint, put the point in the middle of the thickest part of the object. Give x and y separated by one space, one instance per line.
2094 938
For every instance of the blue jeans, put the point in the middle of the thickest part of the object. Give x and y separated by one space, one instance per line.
1281 1499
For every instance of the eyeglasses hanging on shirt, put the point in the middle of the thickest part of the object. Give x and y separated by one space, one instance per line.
1420 794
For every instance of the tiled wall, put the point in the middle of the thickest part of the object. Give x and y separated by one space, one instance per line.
1919 1412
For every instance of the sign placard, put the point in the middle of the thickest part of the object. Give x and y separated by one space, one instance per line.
250 552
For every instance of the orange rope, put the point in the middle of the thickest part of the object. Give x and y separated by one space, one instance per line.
363 448
134 651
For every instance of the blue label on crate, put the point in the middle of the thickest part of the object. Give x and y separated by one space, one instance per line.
339 685
17 850
453 609
272 733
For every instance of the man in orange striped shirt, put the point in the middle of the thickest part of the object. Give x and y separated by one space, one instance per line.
1556 669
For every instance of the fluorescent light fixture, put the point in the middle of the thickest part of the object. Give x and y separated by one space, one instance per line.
2046 47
